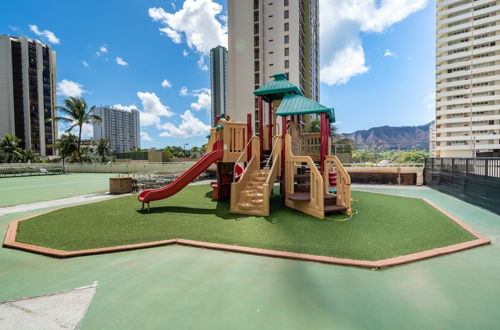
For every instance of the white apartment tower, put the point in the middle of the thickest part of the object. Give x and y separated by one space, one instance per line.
119 127
267 37
28 93
467 78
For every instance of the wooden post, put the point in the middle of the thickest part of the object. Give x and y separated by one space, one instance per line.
261 127
249 136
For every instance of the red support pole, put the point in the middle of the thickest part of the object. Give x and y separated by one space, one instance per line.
270 125
283 134
323 141
261 127
249 135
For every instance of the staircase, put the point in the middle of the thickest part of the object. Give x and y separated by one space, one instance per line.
252 195
302 190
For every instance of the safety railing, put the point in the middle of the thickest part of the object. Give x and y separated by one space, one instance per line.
315 205
253 164
242 158
311 143
273 171
343 182
235 140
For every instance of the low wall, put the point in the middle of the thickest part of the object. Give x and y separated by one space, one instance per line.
406 175
129 167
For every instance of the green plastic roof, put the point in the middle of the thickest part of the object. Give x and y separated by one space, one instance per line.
276 89
294 104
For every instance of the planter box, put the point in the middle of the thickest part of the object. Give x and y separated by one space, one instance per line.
120 185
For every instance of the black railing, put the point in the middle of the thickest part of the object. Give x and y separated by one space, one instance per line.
474 180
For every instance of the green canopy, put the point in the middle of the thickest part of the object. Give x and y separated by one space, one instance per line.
276 89
294 104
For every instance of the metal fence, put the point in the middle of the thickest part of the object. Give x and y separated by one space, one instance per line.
474 180
15 169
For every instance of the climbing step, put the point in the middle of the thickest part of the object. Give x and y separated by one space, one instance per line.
300 196
334 208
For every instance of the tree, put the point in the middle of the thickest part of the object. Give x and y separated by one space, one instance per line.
103 149
28 156
67 144
10 146
77 113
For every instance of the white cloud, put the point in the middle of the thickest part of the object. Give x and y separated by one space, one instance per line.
153 109
189 127
102 50
70 88
342 21
389 53
87 130
166 84
85 64
203 99
346 63
145 136
185 53
183 91
196 21
45 34
201 64
125 107
120 61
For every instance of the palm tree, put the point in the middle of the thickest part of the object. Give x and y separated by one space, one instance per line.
10 146
28 156
103 149
77 114
67 145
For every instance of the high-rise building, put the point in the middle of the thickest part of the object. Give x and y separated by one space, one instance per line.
28 93
467 78
218 81
432 140
119 127
267 37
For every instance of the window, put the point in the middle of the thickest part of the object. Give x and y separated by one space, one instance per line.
287 39
270 28
287 51
287 64
271 16
286 2
271 53
271 40
287 75
287 14
271 64
287 26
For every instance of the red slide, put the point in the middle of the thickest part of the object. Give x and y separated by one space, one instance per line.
173 188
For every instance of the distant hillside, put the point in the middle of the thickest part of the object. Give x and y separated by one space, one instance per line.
388 137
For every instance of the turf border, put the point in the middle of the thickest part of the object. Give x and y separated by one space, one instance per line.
10 242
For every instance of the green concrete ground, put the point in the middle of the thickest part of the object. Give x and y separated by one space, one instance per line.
180 287
21 190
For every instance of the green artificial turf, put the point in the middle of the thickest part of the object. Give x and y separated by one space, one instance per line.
385 226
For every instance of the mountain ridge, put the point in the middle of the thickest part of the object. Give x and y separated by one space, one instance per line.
391 137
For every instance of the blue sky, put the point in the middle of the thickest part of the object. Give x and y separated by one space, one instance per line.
113 53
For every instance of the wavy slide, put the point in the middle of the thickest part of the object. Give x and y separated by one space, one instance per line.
194 171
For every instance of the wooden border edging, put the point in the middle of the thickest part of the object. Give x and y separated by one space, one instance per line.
10 242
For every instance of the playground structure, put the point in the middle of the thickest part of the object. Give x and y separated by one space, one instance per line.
311 179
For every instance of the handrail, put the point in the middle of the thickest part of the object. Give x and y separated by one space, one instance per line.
315 206
343 182
276 164
275 139
244 152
